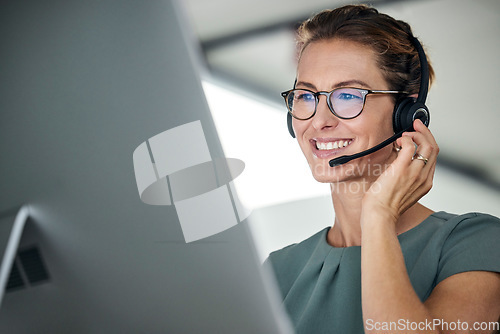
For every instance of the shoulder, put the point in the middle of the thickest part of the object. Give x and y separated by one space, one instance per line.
451 221
473 217
470 243
299 252
473 227
288 262
441 230
443 227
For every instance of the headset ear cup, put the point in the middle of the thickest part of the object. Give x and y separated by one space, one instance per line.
421 112
289 123
400 114
407 111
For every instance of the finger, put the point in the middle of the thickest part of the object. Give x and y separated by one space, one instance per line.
423 165
426 149
422 129
425 140
407 150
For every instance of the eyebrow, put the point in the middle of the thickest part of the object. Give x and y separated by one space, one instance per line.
347 83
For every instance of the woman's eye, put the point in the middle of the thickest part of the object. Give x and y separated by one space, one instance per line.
305 97
348 97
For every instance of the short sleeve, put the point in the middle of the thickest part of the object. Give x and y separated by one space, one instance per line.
472 245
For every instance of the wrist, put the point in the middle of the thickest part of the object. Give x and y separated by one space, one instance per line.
373 216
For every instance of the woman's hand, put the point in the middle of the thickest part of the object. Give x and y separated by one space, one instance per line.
387 292
406 180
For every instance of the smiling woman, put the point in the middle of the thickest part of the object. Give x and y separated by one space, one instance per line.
386 256
334 64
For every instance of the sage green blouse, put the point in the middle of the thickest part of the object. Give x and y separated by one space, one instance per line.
321 284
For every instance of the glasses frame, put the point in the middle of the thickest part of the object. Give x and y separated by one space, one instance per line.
364 93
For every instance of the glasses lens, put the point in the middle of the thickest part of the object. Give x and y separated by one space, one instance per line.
301 103
347 102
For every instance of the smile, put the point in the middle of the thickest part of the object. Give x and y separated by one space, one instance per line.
332 145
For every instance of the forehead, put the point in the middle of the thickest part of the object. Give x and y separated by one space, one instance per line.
327 63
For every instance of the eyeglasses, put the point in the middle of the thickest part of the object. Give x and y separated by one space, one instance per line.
345 103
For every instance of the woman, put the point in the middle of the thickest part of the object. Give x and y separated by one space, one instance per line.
388 264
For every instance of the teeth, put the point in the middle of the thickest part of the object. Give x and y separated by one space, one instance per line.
332 145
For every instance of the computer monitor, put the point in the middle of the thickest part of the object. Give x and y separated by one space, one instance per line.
127 220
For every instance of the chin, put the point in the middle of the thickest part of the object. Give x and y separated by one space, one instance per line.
322 172
360 170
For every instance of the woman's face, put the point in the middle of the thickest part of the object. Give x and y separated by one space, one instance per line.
324 66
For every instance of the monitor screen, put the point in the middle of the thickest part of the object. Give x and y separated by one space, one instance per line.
108 144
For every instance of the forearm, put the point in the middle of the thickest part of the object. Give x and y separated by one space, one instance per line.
387 293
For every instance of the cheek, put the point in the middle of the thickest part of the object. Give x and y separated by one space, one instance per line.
299 128
379 120
305 148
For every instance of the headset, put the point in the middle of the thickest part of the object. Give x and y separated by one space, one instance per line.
405 112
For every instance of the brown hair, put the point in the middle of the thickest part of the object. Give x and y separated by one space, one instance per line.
389 38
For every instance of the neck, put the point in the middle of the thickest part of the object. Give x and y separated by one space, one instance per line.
346 230
347 197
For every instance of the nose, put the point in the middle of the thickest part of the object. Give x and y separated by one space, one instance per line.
324 118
